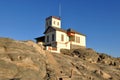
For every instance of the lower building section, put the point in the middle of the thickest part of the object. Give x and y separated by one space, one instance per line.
58 46
72 46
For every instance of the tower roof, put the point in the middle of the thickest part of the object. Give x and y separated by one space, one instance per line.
53 17
55 28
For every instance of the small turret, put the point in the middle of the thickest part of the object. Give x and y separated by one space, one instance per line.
53 21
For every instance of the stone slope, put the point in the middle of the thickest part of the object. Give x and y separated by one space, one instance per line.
25 60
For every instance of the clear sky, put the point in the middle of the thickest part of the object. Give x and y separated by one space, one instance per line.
98 19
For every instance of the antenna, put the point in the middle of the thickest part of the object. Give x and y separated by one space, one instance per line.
60 10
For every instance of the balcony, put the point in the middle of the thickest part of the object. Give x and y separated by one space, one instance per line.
72 38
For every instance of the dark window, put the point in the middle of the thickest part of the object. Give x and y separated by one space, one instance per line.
54 22
58 23
47 23
50 23
47 38
78 39
53 37
62 37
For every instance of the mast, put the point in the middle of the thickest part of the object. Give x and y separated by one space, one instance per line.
59 9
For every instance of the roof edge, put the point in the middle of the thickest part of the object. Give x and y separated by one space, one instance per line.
53 17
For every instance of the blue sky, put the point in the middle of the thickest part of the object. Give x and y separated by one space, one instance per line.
98 19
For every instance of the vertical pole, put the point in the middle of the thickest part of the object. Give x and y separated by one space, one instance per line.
60 10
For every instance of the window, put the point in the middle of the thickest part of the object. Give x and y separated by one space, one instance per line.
62 37
47 23
72 38
47 38
50 23
58 23
54 22
78 39
53 37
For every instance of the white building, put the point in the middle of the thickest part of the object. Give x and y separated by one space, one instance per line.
55 38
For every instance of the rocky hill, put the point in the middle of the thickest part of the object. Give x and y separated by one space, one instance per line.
25 60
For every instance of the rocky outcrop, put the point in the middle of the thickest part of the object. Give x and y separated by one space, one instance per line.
26 60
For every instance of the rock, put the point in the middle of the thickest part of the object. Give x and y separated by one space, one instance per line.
103 74
26 60
2 49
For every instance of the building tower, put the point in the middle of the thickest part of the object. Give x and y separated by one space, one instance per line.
53 21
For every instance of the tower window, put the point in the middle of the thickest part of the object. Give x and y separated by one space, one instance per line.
53 37
62 37
47 38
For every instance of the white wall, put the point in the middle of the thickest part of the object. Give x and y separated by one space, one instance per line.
58 37
62 44
82 40
56 23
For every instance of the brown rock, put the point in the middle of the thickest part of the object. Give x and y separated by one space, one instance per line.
25 60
